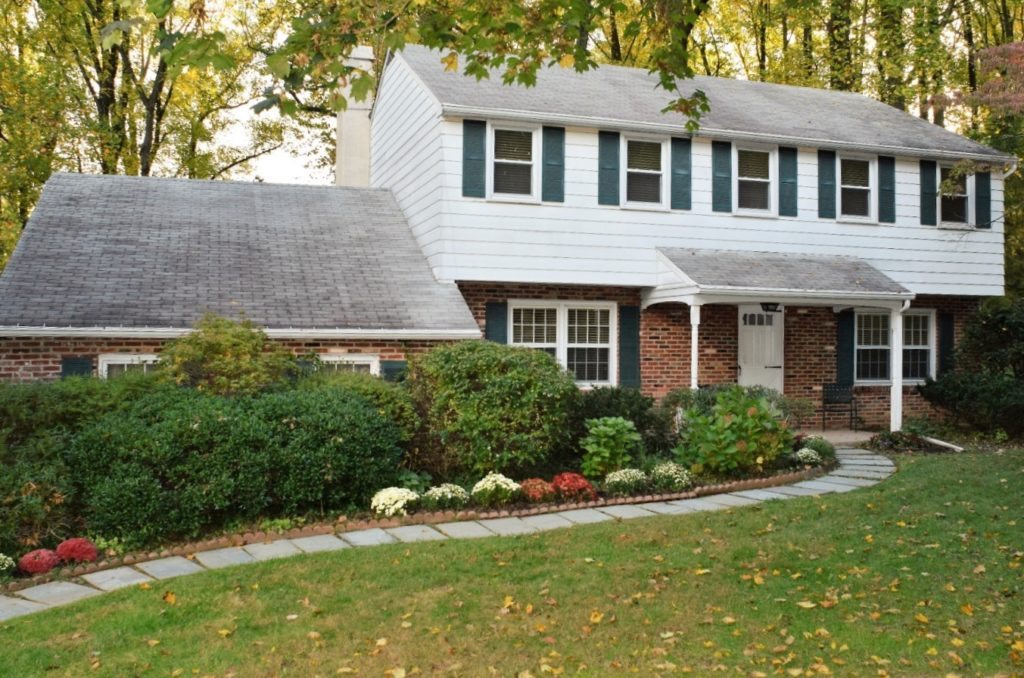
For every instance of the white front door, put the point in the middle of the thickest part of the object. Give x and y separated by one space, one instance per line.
761 337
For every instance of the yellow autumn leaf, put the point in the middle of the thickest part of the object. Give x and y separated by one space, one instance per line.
153 642
957 642
728 621
170 598
224 633
967 609
406 625
758 579
145 586
1018 646
313 635
596 617
451 62
869 538
381 642
701 572
980 569
806 604
508 602
921 618
567 61
397 672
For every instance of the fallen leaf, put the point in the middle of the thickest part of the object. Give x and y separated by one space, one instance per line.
967 609
152 642
170 598
980 569
596 617
806 604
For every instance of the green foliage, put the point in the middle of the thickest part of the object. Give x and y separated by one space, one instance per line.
226 357
993 341
391 399
742 434
824 448
653 423
488 407
704 399
626 482
608 444
983 400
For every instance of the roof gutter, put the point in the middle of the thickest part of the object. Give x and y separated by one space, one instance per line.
273 333
461 111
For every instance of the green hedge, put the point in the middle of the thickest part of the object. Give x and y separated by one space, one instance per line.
654 423
985 401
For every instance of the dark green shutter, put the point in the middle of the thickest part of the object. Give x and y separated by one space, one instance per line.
681 174
886 189
552 183
629 346
608 168
929 193
787 182
393 370
75 367
826 184
845 327
983 200
474 158
947 342
496 322
721 176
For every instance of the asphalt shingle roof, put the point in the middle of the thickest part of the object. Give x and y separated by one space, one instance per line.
617 97
111 251
721 269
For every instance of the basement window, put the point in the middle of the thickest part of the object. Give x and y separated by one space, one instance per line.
112 365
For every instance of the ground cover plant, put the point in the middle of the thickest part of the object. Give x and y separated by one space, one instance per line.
898 579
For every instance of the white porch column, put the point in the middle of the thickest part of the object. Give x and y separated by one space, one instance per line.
694 333
896 365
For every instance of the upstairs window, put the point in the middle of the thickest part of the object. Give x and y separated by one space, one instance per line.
643 172
953 207
513 162
753 180
855 188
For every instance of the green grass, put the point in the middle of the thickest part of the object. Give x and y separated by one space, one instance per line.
919 575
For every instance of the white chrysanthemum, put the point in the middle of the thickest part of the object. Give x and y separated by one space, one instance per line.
6 563
393 501
625 481
671 477
495 489
807 456
448 495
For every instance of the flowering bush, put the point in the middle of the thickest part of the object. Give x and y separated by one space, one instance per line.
6 564
625 482
77 550
446 496
39 561
573 487
393 501
537 490
495 490
670 477
807 457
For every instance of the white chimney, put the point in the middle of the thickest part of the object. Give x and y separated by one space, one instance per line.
352 155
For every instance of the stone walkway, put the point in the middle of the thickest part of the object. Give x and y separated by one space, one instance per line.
857 468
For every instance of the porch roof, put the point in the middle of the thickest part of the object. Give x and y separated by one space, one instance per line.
698 276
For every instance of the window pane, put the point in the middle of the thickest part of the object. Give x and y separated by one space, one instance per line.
345 366
872 363
513 145
509 178
534 326
873 330
960 182
856 202
856 173
589 326
643 155
915 363
643 187
753 164
753 195
915 330
954 209
588 364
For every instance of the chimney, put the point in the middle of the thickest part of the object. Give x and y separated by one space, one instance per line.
352 153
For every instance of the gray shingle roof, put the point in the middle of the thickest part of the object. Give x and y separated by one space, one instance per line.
730 270
617 97
109 251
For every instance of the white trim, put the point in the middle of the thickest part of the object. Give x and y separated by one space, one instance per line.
535 162
277 333
773 180
107 359
371 359
624 171
872 216
932 345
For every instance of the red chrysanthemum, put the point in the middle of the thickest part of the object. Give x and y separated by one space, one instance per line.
537 490
573 487
77 550
39 561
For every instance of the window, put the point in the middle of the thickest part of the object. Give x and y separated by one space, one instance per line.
952 207
753 180
580 336
513 162
917 346
350 362
873 347
643 172
855 188
113 365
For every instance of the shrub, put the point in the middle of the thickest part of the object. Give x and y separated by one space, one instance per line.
77 550
625 482
7 565
393 501
489 407
741 434
703 400
897 441
609 444
36 497
445 496
993 341
495 490
670 477
226 357
807 457
985 401
653 423
39 561
391 399
537 490
573 487
824 448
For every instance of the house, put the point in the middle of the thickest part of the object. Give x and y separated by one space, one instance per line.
798 239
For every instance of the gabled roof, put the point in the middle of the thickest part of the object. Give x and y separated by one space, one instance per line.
614 97
109 254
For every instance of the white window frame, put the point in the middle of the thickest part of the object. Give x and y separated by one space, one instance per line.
108 359
535 162
857 346
968 186
624 172
872 217
562 332
370 359
932 345
773 180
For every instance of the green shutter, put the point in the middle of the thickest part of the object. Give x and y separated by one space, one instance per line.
826 184
552 183
393 370
681 174
787 182
845 327
929 193
983 200
721 176
496 322
75 367
947 342
474 158
886 189
608 168
629 346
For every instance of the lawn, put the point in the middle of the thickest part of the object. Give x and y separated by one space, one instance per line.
919 575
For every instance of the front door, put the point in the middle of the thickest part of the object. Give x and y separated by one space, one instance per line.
761 347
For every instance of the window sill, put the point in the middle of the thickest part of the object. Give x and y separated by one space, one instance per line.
757 214
645 207
870 384
954 226
863 221
521 199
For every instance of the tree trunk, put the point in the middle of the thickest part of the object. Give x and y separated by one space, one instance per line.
840 54
891 62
